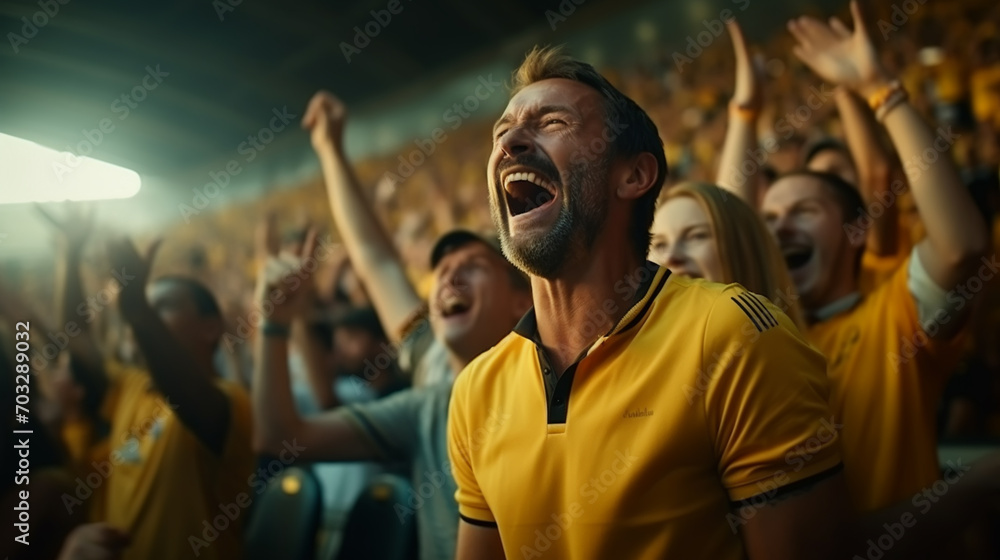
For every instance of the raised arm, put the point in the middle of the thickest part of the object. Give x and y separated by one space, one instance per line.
741 130
368 245
199 404
875 169
327 437
86 360
956 234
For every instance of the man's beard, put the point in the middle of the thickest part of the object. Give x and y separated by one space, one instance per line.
580 220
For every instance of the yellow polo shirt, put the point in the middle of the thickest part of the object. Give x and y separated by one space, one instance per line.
163 483
886 379
660 442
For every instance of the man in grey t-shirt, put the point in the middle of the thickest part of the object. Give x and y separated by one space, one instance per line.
411 426
476 298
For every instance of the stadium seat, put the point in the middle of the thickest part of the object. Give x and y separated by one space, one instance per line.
373 528
285 518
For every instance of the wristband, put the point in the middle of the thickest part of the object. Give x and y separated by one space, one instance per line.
884 93
745 114
275 329
897 98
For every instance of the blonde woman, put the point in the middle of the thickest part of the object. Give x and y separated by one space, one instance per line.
703 231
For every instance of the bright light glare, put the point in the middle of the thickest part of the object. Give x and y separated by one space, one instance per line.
33 173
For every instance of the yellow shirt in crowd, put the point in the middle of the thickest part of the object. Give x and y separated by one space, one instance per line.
164 484
704 398
886 380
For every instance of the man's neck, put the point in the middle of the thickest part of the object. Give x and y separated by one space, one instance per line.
837 294
457 363
585 301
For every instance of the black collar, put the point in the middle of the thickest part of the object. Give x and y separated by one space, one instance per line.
645 293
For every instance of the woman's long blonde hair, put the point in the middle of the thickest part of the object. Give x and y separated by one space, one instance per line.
747 252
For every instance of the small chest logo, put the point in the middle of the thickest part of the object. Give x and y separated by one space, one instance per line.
637 413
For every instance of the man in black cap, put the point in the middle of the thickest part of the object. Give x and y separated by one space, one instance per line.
476 299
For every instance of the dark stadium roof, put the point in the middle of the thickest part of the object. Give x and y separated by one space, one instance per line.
226 65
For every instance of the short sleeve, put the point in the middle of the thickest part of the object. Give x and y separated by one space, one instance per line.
391 423
766 400
472 506
416 340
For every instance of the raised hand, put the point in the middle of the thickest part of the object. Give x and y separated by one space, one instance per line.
837 54
284 280
74 226
324 119
133 271
749 89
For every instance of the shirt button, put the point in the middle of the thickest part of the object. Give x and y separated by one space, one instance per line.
559 401
547 371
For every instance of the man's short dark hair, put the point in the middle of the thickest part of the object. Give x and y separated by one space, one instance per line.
204 301
640 133
457 238
823 145
852 206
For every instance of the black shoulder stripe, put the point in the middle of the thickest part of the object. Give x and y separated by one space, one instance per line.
477 522
748 314
800 486
754 298
749 303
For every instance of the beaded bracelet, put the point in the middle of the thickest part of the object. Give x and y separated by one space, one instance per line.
883 94
897 98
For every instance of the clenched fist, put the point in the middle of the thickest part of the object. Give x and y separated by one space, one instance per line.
324 119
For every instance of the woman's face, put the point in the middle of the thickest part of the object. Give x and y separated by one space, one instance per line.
684 240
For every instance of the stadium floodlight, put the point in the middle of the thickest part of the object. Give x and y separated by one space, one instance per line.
30 172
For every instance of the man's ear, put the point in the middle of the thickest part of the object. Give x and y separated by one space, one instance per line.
637 175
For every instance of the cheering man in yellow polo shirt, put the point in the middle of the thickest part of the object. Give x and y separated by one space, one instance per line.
649 416
889 352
